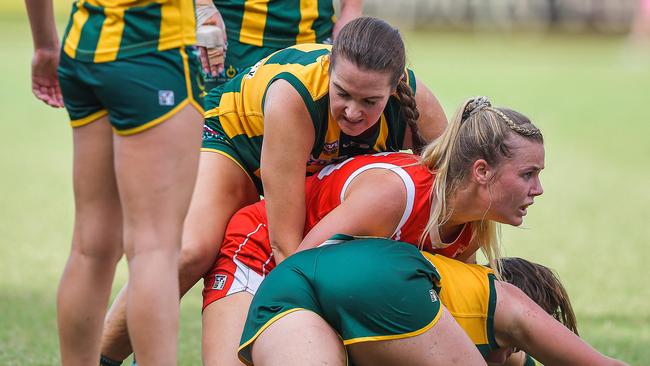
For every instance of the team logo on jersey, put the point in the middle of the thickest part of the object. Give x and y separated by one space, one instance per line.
331 147
434 295
166 97
253 70
219 281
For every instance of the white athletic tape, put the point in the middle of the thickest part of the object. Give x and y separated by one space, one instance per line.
209 36
204 10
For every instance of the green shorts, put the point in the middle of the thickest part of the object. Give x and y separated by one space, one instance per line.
238 57
136 93
216 140
355 287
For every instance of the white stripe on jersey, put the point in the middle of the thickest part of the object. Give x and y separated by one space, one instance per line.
246 240
408 184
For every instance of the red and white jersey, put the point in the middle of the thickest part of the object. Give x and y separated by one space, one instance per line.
326 190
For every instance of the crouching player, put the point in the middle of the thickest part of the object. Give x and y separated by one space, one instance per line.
385 302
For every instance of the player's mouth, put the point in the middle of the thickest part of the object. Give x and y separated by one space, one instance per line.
524 209
355 122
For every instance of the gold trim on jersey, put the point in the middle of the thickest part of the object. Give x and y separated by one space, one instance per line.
380 145
232 126
175 23
79 18
308 13
111 35
170 20
254 22
214 112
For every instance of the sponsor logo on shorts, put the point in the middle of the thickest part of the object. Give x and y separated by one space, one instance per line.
166 97
434 295
210 134
219 281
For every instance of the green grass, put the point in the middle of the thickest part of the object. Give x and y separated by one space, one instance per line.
587 94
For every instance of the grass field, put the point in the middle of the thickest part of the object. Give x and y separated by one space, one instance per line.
588 94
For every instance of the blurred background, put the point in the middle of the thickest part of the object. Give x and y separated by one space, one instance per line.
603 16
580 69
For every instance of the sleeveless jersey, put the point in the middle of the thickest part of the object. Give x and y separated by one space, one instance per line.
247 240
326 191
237 107
108 30
277 23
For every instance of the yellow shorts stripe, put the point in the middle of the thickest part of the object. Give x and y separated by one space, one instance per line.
155 122
210 150
263 328
89 119
395 336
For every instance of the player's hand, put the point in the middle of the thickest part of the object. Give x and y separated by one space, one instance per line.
45 83
213 59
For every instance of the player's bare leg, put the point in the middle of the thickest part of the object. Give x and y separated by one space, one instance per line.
299 338
156 170
446 343
96 245
223 323
221 189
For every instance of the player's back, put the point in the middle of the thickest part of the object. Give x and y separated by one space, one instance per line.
326 190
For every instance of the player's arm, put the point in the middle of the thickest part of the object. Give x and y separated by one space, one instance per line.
45 83
432 121
521 323
368 209
350 9
288 139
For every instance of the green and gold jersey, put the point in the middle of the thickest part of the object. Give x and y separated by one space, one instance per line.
277 23
237 109
468 292
107 30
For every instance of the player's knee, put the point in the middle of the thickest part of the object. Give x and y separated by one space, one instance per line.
100 250
196 257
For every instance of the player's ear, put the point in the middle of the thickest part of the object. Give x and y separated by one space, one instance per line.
481 172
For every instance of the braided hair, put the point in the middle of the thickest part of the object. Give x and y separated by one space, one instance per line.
410 114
